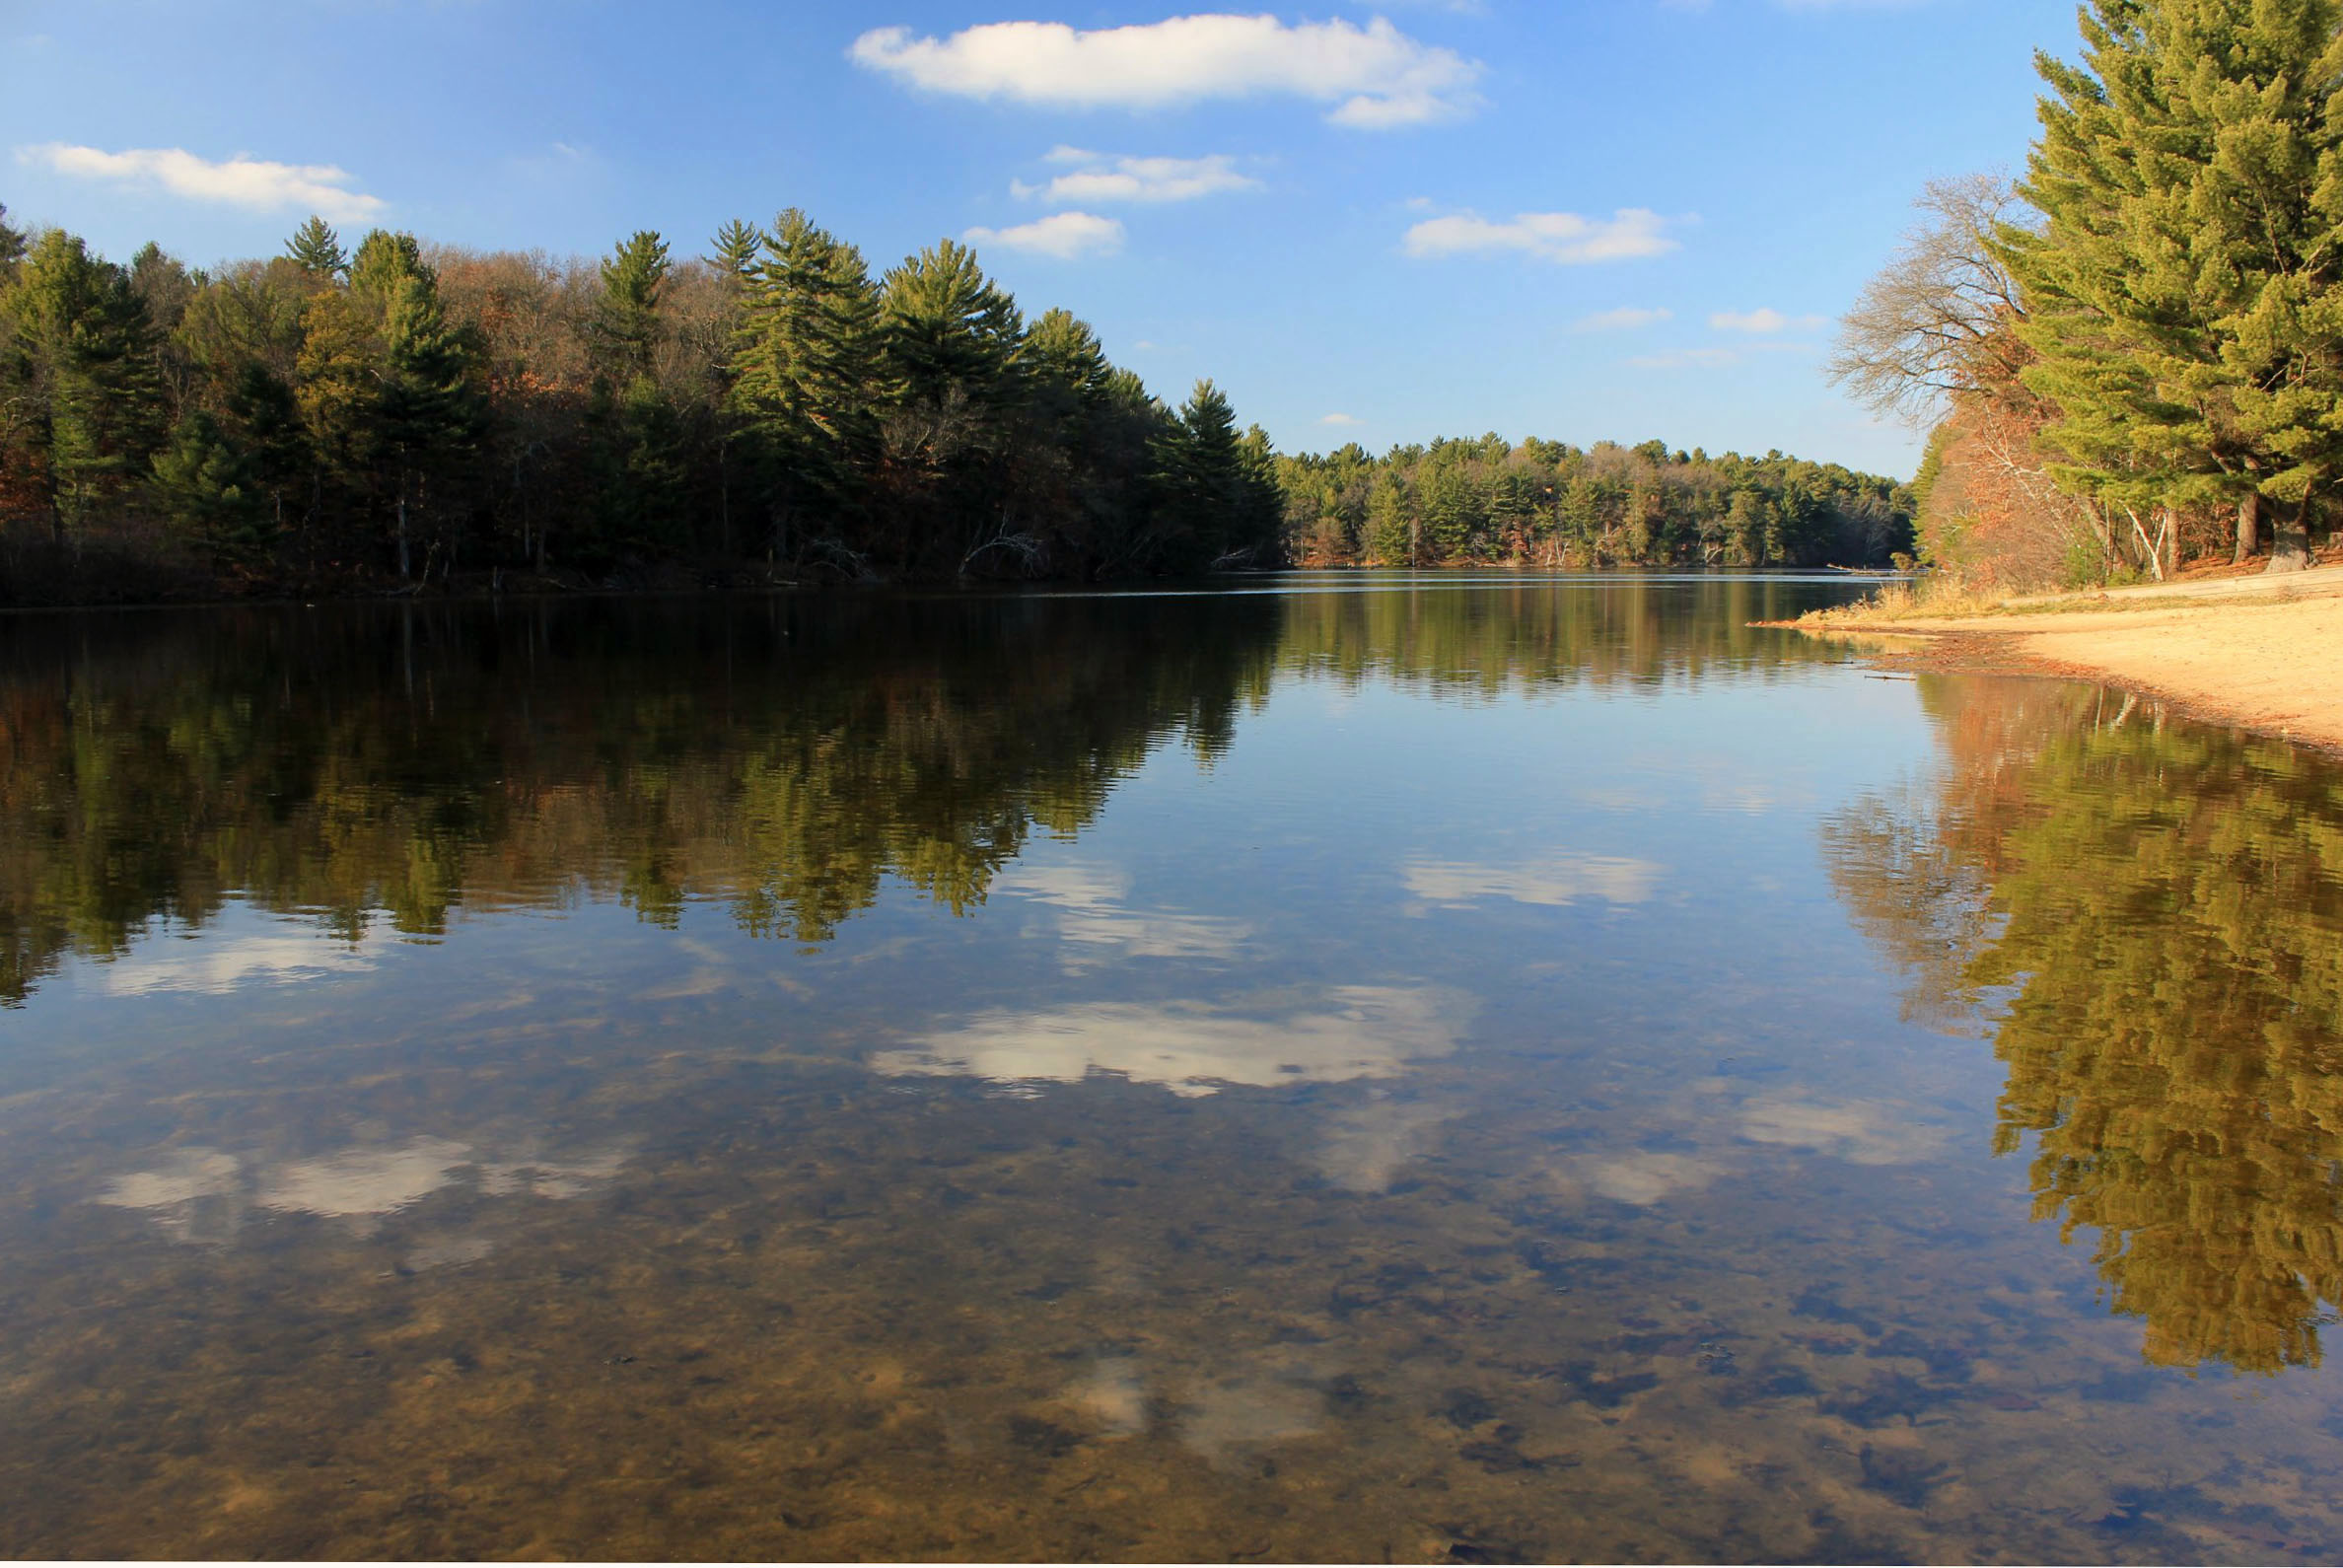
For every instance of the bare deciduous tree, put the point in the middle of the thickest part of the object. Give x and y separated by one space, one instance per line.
1934 322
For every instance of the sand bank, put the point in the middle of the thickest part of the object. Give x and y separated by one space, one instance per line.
2262 652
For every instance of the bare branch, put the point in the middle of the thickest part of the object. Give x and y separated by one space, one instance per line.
1919 330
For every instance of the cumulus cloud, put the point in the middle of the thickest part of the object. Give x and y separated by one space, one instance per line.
1625 319
1760 321
1067 236
238 182
1375 76
1104 179
1340 419
1563 237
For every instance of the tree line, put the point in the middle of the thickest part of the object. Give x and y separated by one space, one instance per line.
404 412
410 413
2133 354
1546 503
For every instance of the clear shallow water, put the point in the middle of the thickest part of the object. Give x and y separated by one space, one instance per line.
1467 1069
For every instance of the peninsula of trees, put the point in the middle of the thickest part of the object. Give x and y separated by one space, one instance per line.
2133 354
411 415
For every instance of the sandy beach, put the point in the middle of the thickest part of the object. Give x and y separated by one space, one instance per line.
2262 652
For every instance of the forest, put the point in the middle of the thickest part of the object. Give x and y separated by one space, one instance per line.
402 417
2131 356
401 414
1545 502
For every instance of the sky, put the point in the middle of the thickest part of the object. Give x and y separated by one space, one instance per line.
1610 220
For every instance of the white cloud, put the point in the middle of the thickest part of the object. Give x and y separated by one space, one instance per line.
1067 236
240 182
1140 178
1341 419
1375 76
1559 879
1625 319
1760 321
1563 237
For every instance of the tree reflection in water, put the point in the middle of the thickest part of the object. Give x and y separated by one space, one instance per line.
2149 919
781 757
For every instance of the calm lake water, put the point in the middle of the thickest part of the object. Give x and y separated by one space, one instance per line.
1464 1068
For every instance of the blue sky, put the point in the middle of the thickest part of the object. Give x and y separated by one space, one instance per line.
1613 220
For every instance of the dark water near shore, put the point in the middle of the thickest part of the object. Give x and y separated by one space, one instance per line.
1464 1069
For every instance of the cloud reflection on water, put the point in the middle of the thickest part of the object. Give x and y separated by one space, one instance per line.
199 1194
1095 923
1192 1048
217 963
1555 879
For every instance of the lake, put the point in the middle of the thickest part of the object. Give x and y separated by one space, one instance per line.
1462 1068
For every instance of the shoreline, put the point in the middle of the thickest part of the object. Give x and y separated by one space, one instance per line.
2260 653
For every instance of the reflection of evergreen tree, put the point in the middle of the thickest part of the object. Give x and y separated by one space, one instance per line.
2164 909
782 761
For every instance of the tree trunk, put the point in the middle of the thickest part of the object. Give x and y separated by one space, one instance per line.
2290 539
2168 535
2248 527
402 528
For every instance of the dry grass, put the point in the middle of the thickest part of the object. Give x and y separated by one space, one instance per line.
1927 597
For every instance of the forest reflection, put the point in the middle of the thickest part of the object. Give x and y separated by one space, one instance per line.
781 757
2147 919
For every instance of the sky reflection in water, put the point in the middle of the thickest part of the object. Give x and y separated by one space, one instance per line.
1459 1069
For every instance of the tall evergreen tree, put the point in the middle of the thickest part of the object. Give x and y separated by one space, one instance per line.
86 400
2182 290
12 245
808 376
954 341
317 249
734 249
626 317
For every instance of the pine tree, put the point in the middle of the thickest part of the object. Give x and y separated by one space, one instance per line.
1390 521
951 332
386 384
208 494
627 318
430 410
806 372
12 245
734 249
82 384
2182 292
317 249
